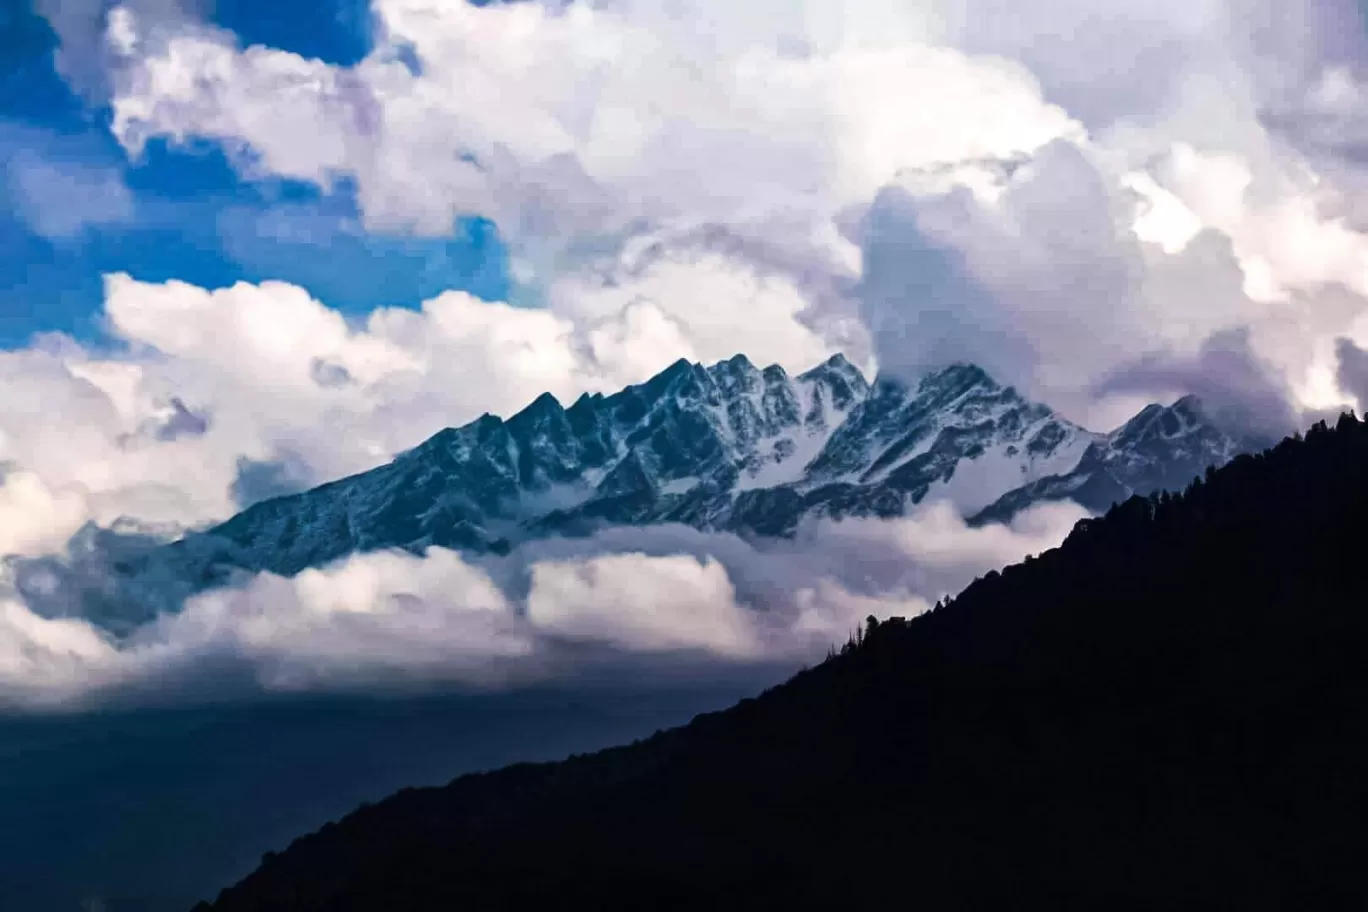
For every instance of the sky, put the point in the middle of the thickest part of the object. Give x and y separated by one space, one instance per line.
76 206
244 240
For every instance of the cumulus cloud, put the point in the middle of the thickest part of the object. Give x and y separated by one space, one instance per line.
1063 279
617 128
641 603
1054 189
551 609
606 115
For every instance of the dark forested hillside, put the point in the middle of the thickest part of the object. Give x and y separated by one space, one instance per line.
1168 712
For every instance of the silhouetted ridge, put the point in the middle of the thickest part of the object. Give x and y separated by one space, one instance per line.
1167 712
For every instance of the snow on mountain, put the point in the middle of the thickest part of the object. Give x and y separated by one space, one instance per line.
957 435
1161 448
729 447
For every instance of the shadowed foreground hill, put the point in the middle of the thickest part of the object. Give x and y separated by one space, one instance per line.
1169 711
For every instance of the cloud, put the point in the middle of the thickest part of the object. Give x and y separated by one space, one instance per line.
59 202
552 609
62 187
258 480
1057 276
87 32
672 298
36 519
607 115
1038 276
1227 376
1353 371
617 127
1052 189
640 603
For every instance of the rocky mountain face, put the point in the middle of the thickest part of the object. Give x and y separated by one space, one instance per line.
728 447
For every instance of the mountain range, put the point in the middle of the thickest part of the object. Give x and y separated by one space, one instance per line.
728 447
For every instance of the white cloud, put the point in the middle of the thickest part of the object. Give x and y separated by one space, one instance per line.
706 304
34 519
642 603
588 119
369 617
1071 271
87 29
552 608
47 662
583 130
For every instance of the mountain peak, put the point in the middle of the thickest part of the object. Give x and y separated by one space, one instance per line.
1189 403
545 404
678 372
840 370
1185 416
839 362
735 362
960 374
956 378
735 373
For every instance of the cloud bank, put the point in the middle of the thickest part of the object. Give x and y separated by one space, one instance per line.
553 609
956 178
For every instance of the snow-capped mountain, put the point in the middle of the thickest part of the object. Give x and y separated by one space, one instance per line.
729 447
675 448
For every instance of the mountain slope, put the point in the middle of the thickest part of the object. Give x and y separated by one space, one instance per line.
1168 711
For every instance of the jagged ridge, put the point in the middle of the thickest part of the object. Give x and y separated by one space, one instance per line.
728 447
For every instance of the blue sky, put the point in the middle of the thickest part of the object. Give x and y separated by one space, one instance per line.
73 207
